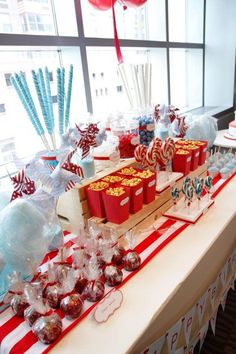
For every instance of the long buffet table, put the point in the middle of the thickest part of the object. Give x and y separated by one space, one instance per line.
166 288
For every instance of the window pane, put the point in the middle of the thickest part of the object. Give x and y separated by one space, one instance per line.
107 88
186 77
37 17
186 21
144 22
16 129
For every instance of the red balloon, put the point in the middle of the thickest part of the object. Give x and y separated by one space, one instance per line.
102 4
135 3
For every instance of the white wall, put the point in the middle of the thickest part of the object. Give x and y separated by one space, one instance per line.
220 52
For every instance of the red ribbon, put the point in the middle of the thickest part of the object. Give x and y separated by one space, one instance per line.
116 38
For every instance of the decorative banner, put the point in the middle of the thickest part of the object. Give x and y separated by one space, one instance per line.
213 321
188 321
212 292
202 334
223 275
155 347
192 345
179 351
201 305
232 283
223 299
173 336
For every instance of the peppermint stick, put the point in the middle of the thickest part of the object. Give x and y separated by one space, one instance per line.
25 102
68 97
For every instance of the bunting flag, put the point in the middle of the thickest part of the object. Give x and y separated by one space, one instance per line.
223 299
201 305
213 321
223 275
202 334
188 322
156 347
213 291
179 351
192 345
173 336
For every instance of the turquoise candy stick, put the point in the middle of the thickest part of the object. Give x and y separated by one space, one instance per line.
63 94
28 94
49 96
46 115
68 97
60 102
39 94
26 105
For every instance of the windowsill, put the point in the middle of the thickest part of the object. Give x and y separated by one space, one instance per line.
210 110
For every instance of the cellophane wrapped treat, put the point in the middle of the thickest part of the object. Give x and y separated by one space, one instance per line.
51 289
15 295
112 274
95 288
71 302
79 261
131 260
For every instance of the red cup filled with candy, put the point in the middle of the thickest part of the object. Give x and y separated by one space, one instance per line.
149 185
136 193
95 200
116 202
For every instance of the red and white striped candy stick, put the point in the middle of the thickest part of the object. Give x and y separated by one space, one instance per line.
140 155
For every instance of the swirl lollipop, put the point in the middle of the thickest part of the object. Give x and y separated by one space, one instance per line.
140 155
175 194
153 154
198 192
189 196
208 185
186 184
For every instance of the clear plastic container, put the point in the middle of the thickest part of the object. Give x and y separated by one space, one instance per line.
126 129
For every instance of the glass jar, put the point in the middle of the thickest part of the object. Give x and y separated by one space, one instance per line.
127 131
146 128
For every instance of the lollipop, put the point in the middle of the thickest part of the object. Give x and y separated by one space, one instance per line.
189 195
140 155
186 184
198 192
175 194
153 153
208 185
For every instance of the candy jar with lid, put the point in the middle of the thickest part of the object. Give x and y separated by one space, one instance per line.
146 127
126 129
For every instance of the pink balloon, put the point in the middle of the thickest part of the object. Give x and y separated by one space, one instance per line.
102 5
135 3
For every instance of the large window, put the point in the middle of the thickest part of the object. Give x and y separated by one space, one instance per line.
169 34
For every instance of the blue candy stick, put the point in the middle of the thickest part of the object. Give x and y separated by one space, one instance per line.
25 89
60 102
68 97
39 94
46 116
29 111
63 94
50 105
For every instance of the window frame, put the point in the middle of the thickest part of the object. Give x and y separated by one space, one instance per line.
37 40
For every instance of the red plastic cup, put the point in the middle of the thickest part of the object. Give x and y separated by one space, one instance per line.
117 207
